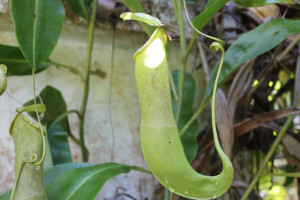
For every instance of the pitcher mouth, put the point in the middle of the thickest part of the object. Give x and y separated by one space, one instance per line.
153 36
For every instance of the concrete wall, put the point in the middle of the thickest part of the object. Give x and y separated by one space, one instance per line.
113 114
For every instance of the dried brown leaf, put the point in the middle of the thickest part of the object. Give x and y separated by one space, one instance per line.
297 81
239 184
224 122
291 150
258 120
292 146
240 83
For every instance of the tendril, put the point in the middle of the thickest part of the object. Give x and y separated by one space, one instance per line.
215 46
39 121
221 42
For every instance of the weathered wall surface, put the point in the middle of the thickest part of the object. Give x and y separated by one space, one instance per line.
113 115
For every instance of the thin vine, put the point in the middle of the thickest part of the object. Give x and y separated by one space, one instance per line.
214 47
39 122
270 153
84 150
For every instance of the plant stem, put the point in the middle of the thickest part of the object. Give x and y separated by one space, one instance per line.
204 61
83 8
72 69
61 117
178 12
183 59
168 195
190 46
87 80
39 121
141 169
268 156
173 85
213 101
221 43
291 174
193 118
175 8
289 48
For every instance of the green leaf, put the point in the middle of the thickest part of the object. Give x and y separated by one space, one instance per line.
213 6
37 26
57 170
250 45
83 183
191 2
257 3
51 174
59 145
16 64
81 8
210 2
136 7
56 106
189 95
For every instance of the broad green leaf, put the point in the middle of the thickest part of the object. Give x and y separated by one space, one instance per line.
142 17
57 170
16 64
37 26
136 7
51 174
48 161
257 3
81 7
250 45
210 2
59 145
56 106
191 2
28 147
3 81
211 9
189 94
83 183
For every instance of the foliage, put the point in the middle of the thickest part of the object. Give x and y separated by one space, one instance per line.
37 28
253 44
188 140
260 72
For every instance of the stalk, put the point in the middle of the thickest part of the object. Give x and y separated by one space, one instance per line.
268 157
183 59
87 80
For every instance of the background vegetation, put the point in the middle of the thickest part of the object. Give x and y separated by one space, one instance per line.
257 103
